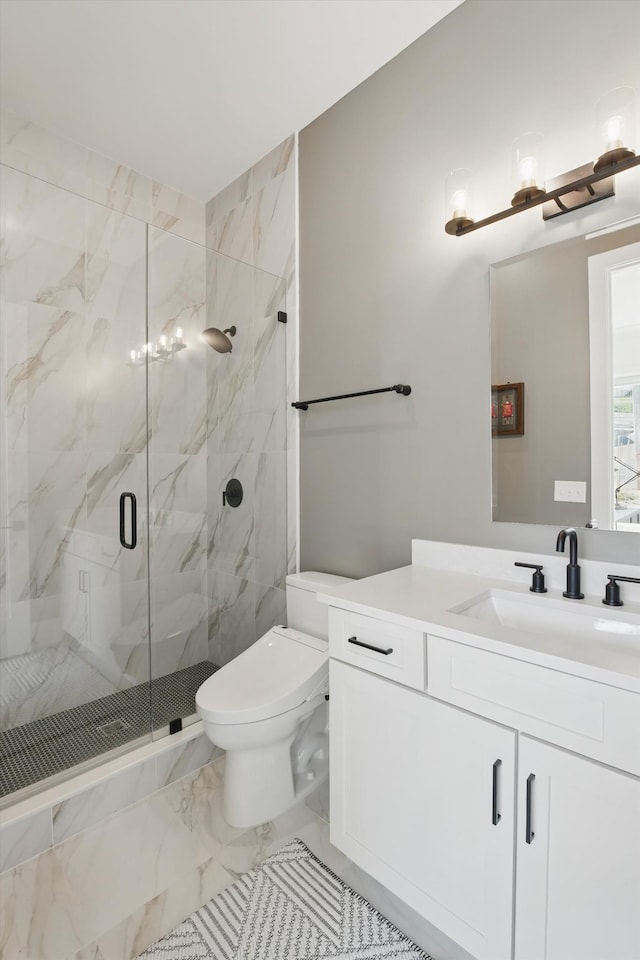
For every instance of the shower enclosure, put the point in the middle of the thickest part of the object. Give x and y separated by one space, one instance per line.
125 579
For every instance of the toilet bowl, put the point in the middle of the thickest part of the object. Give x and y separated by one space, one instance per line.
268 709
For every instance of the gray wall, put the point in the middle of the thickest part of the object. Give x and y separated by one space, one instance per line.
388 297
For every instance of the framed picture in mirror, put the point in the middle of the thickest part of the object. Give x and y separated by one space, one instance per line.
507 410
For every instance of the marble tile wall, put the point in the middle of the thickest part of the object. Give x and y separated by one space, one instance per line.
125 880
177 391
74 413
30 148
74 293
74 419
74 289
39 823
252 431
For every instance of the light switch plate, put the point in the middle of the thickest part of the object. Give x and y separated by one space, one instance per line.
570 491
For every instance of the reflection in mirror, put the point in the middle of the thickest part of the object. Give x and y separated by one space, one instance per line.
565 323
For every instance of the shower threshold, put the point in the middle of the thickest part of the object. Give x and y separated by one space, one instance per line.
46 747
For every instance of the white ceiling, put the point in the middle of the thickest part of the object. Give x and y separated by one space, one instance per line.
193 92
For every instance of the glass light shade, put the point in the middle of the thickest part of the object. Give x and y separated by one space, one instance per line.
459 199
527 167
615 127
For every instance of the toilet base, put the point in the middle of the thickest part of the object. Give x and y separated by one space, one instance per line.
263 782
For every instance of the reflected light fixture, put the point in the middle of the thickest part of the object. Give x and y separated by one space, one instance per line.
615 139
164 349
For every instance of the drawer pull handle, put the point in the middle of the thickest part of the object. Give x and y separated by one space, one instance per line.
370 646
495 816
529 834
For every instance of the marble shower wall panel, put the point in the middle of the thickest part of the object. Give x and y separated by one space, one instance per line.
269 363
44 252
252 548
178 487
178 455
116 305
117 186
74 410
274 211
230 375
56 495
27 147
30 148
234 539
232 616
179 616
177 213
229 220
115 578
74 276
270 519
177 386
265 198
43 405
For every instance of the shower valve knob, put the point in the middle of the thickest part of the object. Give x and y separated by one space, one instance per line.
232 493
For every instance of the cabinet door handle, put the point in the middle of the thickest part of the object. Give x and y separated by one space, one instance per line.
495 816
128 544
529 834
370 646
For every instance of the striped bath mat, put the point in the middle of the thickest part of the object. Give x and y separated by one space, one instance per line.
291 907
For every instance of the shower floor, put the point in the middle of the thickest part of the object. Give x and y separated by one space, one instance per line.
43 748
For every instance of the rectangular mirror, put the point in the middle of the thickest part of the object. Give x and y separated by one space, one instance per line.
565 331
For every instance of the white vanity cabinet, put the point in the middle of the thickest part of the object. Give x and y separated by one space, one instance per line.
422 799
578 858
427 796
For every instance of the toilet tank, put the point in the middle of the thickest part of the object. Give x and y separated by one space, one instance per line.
304 612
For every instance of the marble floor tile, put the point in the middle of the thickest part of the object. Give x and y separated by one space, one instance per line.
159 916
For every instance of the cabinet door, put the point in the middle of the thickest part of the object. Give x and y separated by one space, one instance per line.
412 802
578 879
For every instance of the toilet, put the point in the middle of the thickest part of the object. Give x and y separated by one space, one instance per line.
268 709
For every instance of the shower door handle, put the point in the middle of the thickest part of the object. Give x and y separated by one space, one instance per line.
128 544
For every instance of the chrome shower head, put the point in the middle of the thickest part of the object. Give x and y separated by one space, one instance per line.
218 339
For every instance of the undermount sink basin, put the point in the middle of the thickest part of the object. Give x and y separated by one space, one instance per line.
544 615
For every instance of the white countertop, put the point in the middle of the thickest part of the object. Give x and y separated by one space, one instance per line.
422 596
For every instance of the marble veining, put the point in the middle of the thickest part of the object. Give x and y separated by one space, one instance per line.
74 303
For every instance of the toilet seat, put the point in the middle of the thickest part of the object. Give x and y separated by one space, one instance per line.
282 670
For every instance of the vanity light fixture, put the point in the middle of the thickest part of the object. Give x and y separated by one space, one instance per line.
459 200
577 188
528 168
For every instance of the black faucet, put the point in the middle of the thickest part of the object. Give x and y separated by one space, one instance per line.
573 570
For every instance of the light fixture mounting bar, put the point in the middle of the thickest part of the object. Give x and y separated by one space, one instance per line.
598 190
580 183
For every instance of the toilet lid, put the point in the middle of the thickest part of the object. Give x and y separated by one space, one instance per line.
277 673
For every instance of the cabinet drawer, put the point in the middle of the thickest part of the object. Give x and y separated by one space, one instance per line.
590 718
387 649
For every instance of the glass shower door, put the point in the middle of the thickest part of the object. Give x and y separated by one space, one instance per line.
74 597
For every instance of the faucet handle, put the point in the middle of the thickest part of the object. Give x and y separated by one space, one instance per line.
537 583
612 590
